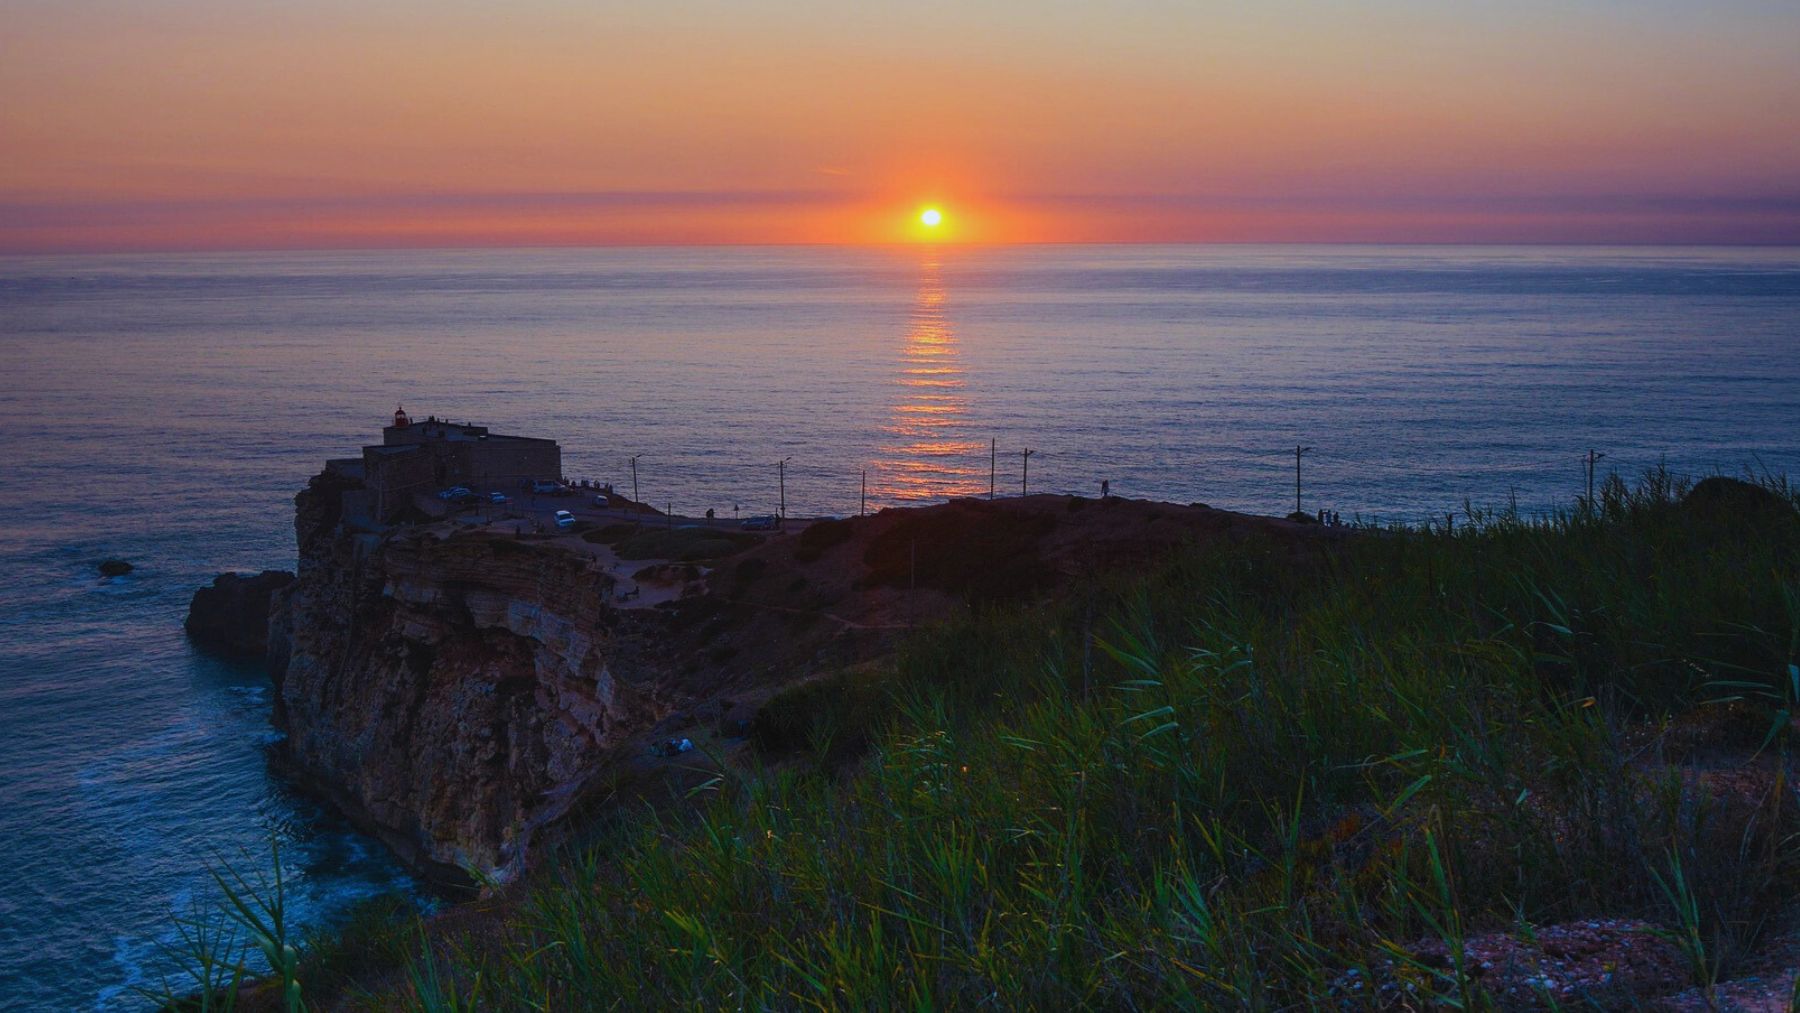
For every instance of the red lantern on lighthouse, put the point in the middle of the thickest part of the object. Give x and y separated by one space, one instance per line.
400 419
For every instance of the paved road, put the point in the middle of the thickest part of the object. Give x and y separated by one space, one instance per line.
535 513
542 508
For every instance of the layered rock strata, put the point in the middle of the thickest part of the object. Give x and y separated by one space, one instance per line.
453 694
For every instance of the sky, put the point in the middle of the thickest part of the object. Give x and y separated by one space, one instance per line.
207 124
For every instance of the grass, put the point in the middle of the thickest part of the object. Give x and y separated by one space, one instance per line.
1228 784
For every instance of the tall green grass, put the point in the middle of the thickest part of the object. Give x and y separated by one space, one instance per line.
1226 784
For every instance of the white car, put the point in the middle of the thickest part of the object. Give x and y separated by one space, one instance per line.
547 487
565 519
496 497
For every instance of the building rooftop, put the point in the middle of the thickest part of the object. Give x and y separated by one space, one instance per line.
434 428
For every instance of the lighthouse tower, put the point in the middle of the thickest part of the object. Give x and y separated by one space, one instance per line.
400 419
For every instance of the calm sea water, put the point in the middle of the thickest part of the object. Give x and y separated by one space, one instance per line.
165 409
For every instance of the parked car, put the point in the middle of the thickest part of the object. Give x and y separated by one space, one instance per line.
603 500
546 487
565 519
768 522
455 492
497 497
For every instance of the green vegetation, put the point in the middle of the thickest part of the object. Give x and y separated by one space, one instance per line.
215 952
1245 776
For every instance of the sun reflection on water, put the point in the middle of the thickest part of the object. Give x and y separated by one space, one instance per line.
929 452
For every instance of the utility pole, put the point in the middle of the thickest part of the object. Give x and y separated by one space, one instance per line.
781 471
993 454
1025 480
864 509
912 582
1298 451
635 512
1592 458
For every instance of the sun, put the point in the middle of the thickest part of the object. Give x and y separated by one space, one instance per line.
931 218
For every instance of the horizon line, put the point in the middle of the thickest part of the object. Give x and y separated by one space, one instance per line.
375 247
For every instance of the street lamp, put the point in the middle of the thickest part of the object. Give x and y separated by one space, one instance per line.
1298 451
781 472
1593 458
634 485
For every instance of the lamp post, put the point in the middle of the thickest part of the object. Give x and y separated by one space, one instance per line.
1298 452
634 487
993 452
781 472
1593 457
1025 479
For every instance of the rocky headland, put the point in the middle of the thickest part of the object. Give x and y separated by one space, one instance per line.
457 686
476 685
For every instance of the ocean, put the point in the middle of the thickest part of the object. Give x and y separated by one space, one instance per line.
164 409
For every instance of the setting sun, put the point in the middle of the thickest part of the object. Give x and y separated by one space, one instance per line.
931 218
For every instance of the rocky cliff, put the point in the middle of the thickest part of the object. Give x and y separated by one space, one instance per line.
452 693
456 689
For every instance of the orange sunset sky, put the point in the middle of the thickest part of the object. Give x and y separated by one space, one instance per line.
204 124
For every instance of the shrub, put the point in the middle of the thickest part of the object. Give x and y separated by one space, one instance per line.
967 547
820 536
610 534
681 544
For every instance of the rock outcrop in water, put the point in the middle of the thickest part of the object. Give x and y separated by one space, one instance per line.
232 613
453 694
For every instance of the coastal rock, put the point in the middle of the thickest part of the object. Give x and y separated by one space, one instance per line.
452 694
232 614
114 568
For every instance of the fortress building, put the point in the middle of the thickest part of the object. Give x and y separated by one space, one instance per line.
416 457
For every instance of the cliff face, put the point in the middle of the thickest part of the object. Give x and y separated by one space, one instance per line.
452 694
